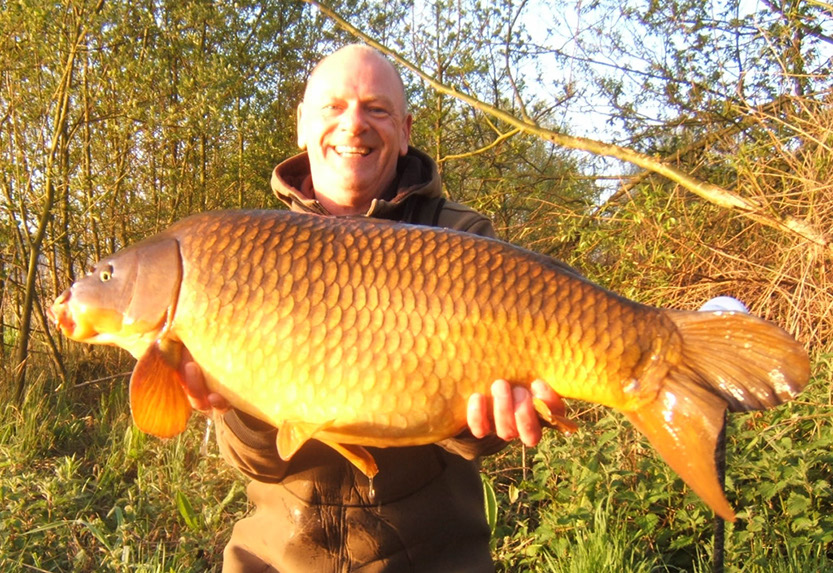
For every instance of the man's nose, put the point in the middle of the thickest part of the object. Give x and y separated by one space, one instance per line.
353 119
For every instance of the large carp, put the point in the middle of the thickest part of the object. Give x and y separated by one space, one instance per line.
359 333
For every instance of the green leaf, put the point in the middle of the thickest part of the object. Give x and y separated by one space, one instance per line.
490 502
797 504
186 510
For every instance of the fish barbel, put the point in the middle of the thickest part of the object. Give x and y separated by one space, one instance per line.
360 333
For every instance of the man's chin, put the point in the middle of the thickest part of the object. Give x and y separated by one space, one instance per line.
352 181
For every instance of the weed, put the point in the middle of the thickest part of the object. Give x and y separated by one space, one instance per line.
82 490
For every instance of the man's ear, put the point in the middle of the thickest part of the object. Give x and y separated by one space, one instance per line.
406 134
302 141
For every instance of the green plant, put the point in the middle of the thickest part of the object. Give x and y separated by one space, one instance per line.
85 491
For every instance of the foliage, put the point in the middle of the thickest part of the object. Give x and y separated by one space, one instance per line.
662 70
82 490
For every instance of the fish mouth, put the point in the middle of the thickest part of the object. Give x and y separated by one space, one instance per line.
60 314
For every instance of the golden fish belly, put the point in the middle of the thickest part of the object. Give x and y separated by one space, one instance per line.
379 329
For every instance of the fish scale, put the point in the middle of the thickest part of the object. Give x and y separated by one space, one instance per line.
361 333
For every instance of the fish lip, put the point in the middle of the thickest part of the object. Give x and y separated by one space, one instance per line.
60 314
64 322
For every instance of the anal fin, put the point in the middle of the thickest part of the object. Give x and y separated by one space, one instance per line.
293 435
358 456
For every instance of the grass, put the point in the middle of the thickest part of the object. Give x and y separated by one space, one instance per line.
82 490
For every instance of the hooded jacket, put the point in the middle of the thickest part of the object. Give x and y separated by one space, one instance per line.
317 512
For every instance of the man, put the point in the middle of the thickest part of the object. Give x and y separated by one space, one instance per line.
316 512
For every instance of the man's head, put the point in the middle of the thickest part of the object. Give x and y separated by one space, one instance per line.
355 125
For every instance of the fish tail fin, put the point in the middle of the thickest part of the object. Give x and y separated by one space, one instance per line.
749 362
727 360
687 438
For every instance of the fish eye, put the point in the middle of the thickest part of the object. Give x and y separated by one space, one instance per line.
106 273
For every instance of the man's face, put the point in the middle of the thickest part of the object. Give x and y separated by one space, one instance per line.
354 126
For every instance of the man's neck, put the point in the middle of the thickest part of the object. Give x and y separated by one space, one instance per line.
340 209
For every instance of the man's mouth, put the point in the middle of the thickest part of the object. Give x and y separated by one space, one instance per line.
352 151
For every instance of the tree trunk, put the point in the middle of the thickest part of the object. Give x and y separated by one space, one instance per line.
58 146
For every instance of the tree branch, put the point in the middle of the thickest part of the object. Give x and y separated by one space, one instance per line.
700 144
498 139
719 196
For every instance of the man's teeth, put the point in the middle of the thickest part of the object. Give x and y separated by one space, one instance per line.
349 150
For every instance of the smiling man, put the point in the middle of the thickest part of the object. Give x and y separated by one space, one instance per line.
354 128
316 512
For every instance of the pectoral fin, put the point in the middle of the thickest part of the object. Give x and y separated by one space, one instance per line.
157 400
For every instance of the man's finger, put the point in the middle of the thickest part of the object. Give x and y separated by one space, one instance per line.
477 416
503 405
526 418
195 387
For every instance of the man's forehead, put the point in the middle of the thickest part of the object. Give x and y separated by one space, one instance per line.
351 90
368 76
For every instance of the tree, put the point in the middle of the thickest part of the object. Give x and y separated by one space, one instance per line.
119 118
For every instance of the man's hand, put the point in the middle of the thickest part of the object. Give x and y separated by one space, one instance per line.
513 411
198 394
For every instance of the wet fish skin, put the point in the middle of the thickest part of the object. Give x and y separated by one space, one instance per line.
362 333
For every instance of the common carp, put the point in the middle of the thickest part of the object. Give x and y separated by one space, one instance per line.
360 333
